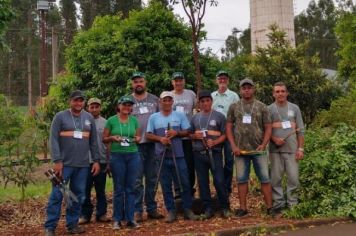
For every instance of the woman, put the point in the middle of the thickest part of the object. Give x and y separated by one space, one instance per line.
122 131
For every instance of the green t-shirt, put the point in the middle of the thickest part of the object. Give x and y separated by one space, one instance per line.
127 130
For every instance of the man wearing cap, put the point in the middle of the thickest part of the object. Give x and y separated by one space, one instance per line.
185 102
248 129
208 134
286 147
72 137
222 99
166 128
99 181
145 105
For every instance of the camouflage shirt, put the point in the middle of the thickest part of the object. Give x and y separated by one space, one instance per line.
248 136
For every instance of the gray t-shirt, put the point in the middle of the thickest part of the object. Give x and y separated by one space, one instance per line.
185 102
214 121
142 110
290 112
73 152
100 125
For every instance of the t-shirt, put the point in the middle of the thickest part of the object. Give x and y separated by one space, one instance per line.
126 130
185 102
100 125
248 135
212 121
222 101
158 124
290 112
142 110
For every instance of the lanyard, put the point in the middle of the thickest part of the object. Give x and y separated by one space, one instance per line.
279 114
128 128
207 123
243 110
81 123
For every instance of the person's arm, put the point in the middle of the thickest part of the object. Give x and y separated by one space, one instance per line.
300 135
54 146
266 137
230 136
108 138
94 149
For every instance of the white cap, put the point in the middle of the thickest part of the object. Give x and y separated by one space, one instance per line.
166 94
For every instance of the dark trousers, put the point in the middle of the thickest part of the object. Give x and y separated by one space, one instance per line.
228 166
189 159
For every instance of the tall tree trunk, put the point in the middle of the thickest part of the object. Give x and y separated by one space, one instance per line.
28 55
196 61
54 54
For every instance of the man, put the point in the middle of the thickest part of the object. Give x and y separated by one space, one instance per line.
99 181
146 104
222 99
166 128
286 148
72 137
208 135
249 129
185 102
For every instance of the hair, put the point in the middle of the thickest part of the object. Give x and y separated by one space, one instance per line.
280 83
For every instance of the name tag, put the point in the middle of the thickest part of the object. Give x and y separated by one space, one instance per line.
212 123
180 109
125 142
143 110
246 119
78 134
286 124
204 132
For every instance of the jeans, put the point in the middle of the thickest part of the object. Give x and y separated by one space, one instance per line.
284 163
76 176
189 159
124 169
202 165
148 169
99 183
260 165
168 175
228 166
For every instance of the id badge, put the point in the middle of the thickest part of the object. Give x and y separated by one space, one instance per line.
78 134
204 132
125 142
143 110
220 109
246 119
286 124
180 109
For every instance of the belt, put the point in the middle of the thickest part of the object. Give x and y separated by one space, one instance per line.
86 134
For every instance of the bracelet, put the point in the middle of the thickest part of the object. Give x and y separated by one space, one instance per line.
301 149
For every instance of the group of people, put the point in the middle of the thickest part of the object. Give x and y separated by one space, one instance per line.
170 140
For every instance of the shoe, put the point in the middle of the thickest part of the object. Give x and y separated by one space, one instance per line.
83 220
116 225
103 218
273 212
241 212
226 213
132 225
171 217
75 230
207 214
189 215
138 217
154 215
49 232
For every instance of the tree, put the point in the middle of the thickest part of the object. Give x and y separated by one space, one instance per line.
69 16
232 45
308 87
6 14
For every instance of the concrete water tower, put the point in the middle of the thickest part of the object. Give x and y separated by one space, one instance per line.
267 12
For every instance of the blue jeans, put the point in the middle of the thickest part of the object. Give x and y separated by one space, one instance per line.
202 166
228 167
124 169
148 169
76 176
168 175
260 165
99 183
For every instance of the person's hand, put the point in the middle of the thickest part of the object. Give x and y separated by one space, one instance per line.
299 155
171 133
58 169
278 141
165 141
235 150
210 143
198 134
137 138
261 147
108 170
95 170
116 138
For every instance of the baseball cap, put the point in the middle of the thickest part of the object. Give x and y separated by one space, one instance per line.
77 94
126 99
166 94
246 81
94 100
204 93
137 74
222 72
178 75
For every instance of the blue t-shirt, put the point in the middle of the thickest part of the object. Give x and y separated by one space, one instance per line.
158 123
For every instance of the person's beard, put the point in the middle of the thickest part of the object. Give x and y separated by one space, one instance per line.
139 90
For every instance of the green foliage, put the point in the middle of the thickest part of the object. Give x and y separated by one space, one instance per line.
307 86
327 174
6 14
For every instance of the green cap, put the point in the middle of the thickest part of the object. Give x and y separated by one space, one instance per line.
126 99
178 75
137 74
222 72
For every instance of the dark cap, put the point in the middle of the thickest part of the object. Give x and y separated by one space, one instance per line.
178 75
246 81
77 94
222 72
137 74
204 94
126 99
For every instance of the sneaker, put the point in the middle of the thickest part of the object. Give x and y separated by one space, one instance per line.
241 212
49 232
103 218
83 220
154 215
226 213
132 225
116 225
75 230
171 217
207 214
189 215
138 217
